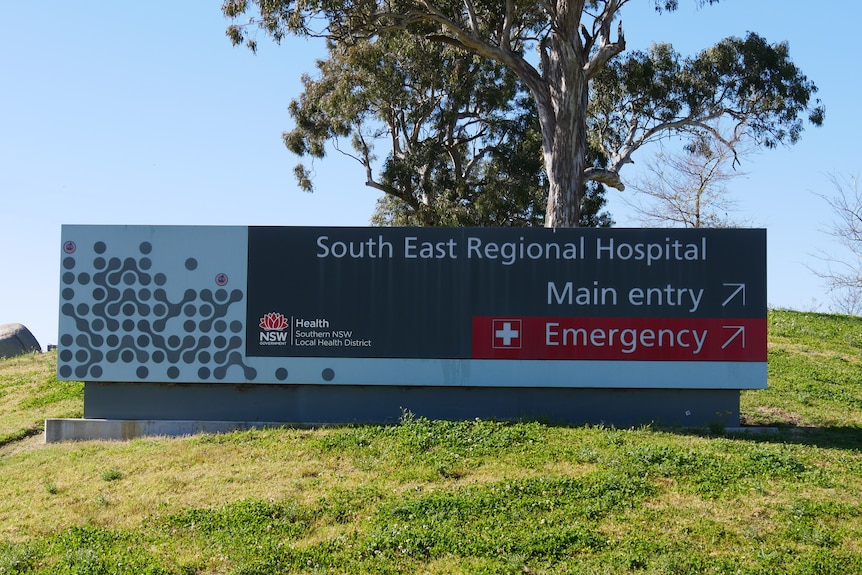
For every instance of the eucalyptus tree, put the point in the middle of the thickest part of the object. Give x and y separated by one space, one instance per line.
460 136
637 99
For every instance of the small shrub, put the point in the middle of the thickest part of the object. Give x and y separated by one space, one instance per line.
112 474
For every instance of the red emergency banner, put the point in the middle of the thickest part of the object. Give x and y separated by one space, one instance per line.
641 339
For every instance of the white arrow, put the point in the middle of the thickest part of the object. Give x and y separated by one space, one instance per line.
740 330
739 288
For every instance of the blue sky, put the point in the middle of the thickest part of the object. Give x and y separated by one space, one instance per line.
143 113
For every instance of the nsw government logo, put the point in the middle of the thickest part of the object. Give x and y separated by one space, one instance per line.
273 326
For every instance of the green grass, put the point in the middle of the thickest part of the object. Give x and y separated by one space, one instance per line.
30 393
471 497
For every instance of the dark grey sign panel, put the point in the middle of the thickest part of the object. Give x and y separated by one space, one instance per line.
415 292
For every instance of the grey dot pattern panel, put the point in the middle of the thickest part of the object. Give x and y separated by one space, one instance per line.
143 306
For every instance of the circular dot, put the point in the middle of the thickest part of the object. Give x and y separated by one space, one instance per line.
205 310
66 339
143 340
69 263
68 293
98 293
83 278
174 341
158 356
129 309
129 279
221 326
204 372
81 340
81 371
127 356
189 326
98 324
144 294
145 263
236 295
220 342
142 372
66 355
83 309
221 294
160 309
190 310
81 356
204 357
65 371
97 340
96 371
236 326
145 247
68 278
112 340
173 372
191 264
328 374
144 279
160 279
99 247
281 374
144 309
128 325
115 263
99 263
190 294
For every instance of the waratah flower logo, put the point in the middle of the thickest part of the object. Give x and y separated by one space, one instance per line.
273 321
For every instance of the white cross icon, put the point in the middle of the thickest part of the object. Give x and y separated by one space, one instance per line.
507 334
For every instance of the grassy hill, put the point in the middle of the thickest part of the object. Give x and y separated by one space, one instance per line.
453 497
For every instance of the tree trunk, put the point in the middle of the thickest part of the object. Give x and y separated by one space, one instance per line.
564 128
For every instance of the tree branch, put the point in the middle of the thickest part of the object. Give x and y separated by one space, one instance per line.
608 177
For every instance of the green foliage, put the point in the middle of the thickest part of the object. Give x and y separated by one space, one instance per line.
15 559
457 73
463 138
747 81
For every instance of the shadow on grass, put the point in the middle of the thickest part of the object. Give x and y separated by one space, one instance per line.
824 437
848 438
20 435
